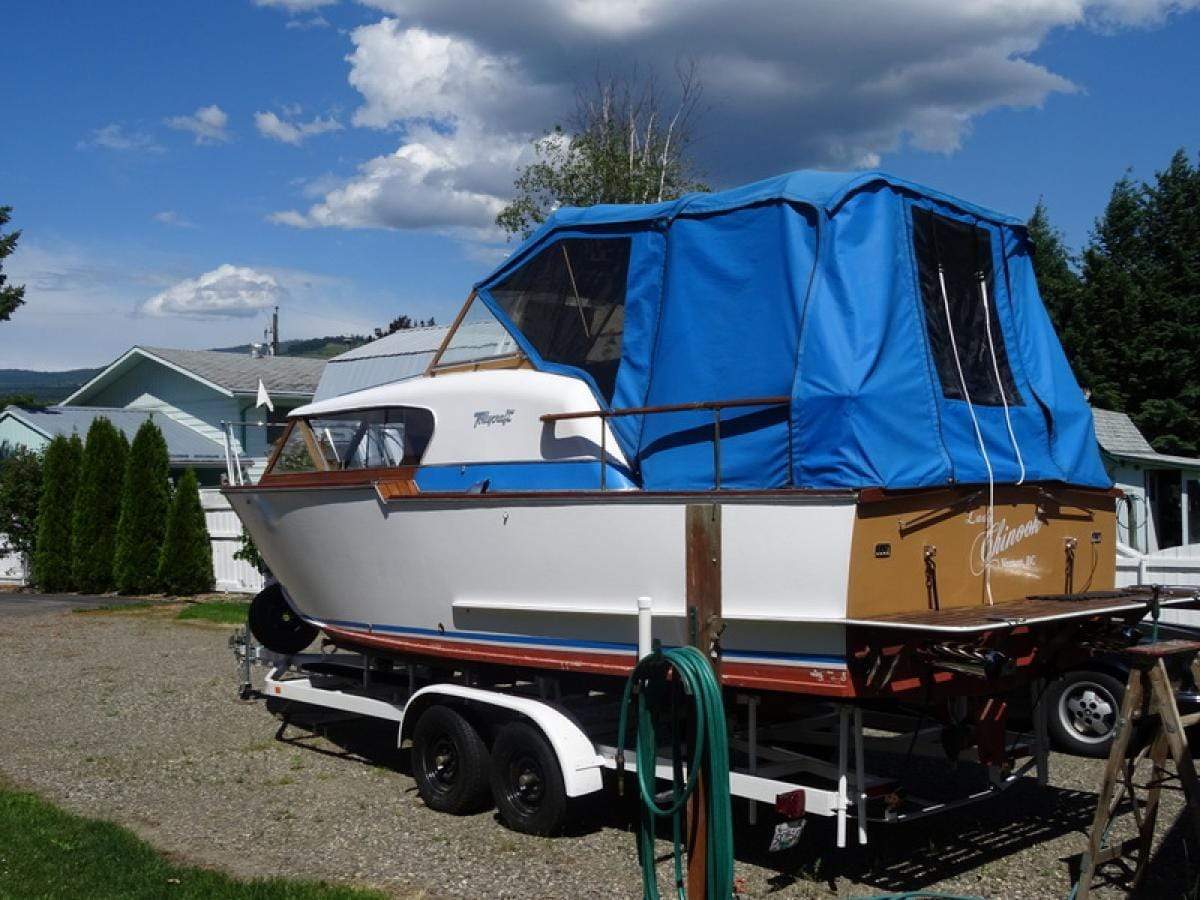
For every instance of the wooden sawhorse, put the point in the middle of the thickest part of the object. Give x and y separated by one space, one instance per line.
1148 696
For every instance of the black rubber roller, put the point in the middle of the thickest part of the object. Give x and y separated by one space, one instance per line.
275 624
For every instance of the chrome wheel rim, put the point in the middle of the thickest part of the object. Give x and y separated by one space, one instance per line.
1088 711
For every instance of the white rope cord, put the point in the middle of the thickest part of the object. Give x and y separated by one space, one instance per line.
991 507
987 319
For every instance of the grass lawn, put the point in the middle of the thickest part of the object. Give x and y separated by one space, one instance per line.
227 612
45 852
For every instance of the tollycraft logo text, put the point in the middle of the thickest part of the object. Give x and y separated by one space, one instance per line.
488 418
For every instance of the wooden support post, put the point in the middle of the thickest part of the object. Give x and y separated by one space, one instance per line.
1148 692
703 536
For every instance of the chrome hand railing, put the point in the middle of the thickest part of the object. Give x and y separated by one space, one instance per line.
714 405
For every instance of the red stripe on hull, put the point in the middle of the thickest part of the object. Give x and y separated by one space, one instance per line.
825 682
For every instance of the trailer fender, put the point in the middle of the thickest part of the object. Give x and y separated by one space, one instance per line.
577 756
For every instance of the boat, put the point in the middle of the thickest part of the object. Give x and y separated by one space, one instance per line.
823 419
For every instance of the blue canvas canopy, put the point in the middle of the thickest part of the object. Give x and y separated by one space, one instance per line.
903 325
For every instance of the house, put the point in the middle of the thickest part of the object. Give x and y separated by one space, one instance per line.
202 389
190 395
1161 509
186 447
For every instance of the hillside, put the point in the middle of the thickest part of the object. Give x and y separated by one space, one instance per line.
47 388
313 348
43 387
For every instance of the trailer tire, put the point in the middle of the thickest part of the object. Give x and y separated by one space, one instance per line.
449 762
527 783
275 624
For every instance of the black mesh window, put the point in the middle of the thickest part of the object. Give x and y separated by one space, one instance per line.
569 302
962 253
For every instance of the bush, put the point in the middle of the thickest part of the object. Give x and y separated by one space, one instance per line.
20 487
97 506
60 482
186 563
145 500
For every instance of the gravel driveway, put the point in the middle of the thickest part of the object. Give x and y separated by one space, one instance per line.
132 716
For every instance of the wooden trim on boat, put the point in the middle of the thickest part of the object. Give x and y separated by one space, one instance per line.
508 361
314 449
437 357
278 448
336 478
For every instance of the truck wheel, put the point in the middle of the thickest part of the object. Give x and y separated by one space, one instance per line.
527 783
450 762
1083 707
275 624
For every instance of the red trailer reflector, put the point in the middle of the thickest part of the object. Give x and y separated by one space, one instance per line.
791 804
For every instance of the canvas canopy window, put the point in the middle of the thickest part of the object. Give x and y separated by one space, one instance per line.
824 289
569 302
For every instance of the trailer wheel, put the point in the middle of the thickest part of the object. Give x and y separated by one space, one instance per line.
275 624
450 762
527 783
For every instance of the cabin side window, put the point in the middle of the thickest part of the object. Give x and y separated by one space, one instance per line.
569 303
364 439
295 456
373 438
956 281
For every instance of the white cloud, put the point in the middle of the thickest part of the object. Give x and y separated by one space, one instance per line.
307 24
452 183
208 124
114 137
830 83
172 218
835 84
295 6
225 291
270 125
412 73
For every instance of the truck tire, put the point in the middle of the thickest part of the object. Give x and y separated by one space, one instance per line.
1082 707
449 762
275 624
527 783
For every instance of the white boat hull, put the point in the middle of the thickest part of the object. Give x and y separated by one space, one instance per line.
554 582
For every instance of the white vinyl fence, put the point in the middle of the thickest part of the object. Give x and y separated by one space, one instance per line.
1176 566
12 565
225 531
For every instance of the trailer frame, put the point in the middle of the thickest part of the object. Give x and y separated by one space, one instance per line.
770 771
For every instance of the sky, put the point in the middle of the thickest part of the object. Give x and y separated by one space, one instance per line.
177 169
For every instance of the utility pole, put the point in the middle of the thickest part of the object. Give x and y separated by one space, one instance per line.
275 332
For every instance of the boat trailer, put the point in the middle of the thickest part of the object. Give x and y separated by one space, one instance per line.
795 765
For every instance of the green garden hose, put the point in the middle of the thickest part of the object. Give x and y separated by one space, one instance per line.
709 753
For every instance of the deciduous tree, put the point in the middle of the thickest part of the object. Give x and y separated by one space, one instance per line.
626 143
20 489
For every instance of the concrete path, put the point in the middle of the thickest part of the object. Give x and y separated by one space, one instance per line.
16 603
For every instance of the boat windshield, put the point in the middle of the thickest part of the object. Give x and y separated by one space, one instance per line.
362 439
569 303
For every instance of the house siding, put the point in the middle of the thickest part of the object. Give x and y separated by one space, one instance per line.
153 386
16 433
